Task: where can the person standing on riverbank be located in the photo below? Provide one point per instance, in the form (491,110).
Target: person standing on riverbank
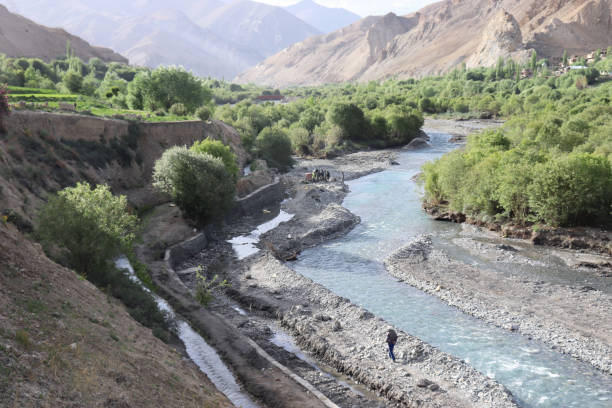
(391,340)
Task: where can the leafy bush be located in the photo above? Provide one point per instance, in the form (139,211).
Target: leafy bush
(203,113)
(197,182)
(571,190)
(178,109)
(217,149)
(300,140)
(273,145)
(92,225)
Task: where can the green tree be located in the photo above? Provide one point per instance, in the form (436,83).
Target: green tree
(198,183)
(217,149)
(350,118)
(300,140)
(92,225)
(533,61)
(573,189)
(273,145)
(170,85)
(73,81)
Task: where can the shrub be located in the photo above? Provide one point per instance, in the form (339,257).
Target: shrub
(204,287)
(217,149)
(92,225)
(203,113)
(349,117)
(178,109)
(572,189)
(300,140)
(273,145)
(197,182)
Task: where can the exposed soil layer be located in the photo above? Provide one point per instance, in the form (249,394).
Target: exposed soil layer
(574,319)
(64,343)
(581,238)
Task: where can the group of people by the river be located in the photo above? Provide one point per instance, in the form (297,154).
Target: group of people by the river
(320,175)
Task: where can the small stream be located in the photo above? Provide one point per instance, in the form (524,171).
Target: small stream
(389,204)
(203,355)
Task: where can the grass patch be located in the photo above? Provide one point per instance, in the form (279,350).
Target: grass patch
(34,306)
(23,339)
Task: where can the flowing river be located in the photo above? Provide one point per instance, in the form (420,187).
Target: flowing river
(389,204)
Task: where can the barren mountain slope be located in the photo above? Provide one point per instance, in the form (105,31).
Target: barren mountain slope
(20,37)
(64,343)
(324,19)
(439,38)
(266,29)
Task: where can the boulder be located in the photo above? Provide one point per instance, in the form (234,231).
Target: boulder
(417,143)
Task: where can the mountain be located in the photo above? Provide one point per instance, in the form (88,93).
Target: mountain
(263,28)
(324,19)
(169,37)
(439,38)
(20,37)
(210,37)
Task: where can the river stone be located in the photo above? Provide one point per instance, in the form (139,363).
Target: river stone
(417,143)
(424,383)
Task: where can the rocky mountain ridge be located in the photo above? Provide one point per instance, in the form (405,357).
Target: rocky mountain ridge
(439,38)
(20,37)
(209,37)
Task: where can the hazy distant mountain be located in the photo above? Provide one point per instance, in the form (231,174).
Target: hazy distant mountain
(264,28)
(325,19)
(441,37)
(210,37)
(20,37)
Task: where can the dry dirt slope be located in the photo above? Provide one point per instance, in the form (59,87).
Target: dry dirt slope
(63,343)
(20,37)
(439,38)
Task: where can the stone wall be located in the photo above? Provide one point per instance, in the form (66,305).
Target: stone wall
(264,197)
(98,150)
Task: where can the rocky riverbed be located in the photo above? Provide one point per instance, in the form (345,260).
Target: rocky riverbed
(574,319)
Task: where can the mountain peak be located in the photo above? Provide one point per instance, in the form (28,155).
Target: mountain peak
(440,37)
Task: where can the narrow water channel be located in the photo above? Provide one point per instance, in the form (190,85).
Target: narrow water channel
(389,204)
(203,355)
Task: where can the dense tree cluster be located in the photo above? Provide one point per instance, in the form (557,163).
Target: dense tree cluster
(550,163)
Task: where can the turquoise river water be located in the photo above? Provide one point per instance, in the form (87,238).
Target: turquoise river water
(389,204)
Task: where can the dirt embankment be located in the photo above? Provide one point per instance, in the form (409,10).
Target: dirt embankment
(64,343)
(44,152)
(581,238)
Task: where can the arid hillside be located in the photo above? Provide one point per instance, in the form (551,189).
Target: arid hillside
(439,38)
(64,343)
(20,37)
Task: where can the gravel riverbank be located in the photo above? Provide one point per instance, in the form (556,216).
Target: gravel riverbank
(572,319)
